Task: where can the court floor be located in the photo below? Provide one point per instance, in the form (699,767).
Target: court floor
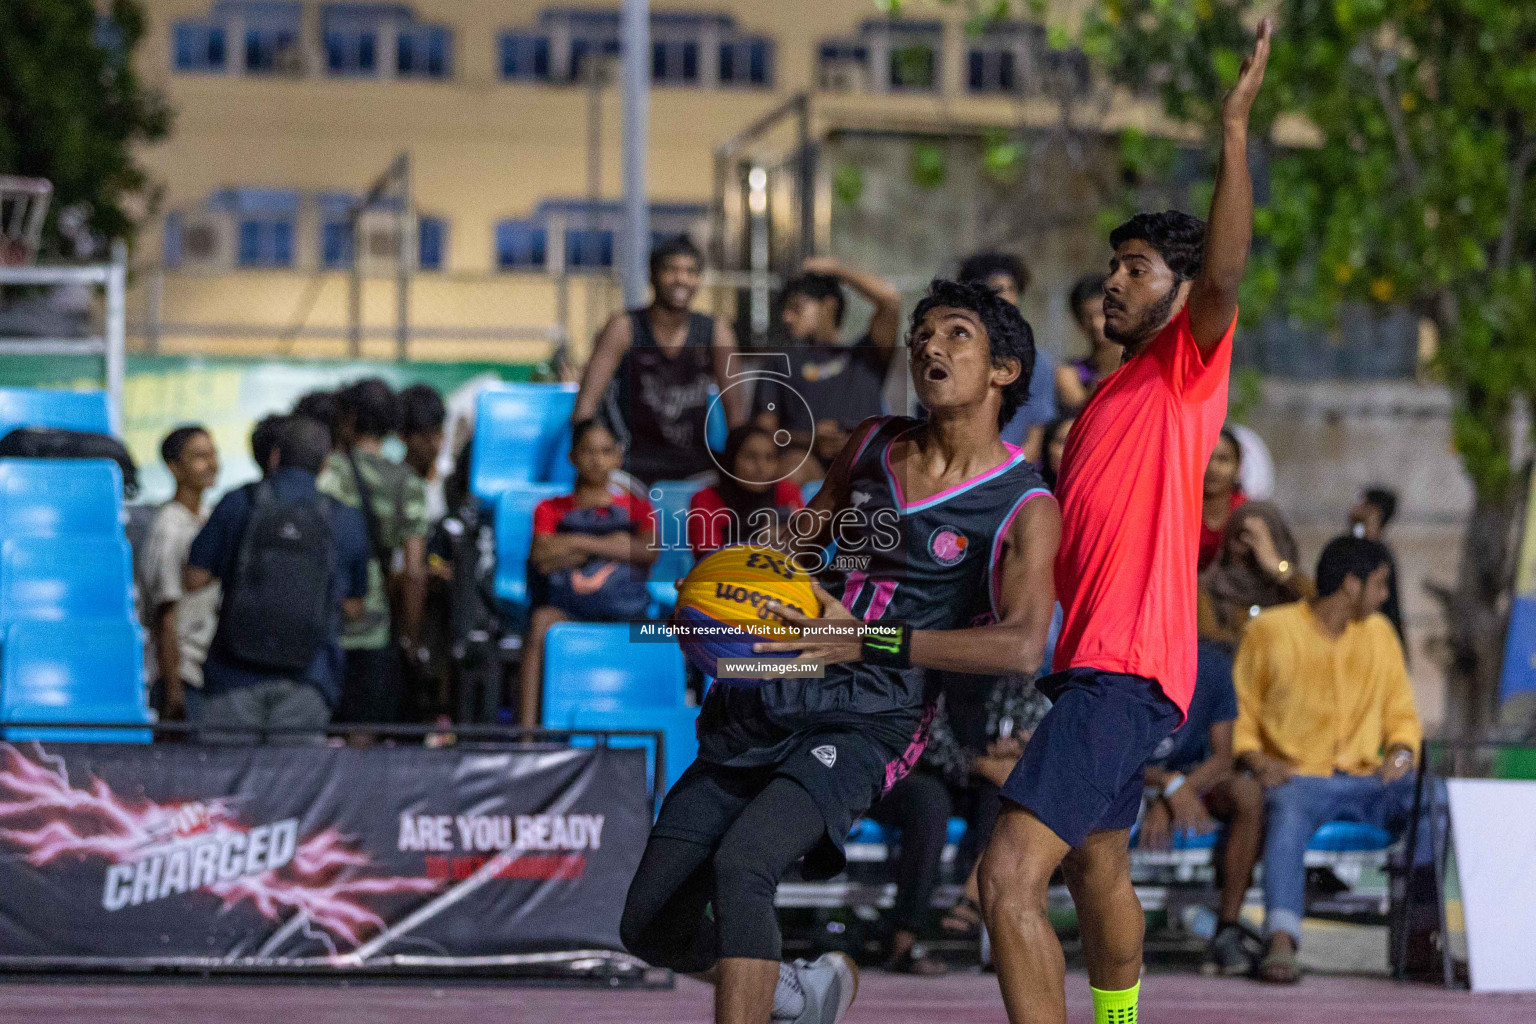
(963,998)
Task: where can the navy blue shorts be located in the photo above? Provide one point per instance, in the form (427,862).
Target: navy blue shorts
(1082,769)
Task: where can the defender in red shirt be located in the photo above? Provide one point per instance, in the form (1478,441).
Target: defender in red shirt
(1131,497)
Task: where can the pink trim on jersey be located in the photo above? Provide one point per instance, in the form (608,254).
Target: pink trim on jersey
(864,445)
(884,591)
(897,770)
(948,492)
(993,578)
(852,587)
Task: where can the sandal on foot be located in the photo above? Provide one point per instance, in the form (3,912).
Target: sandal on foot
(963,919)
(917,961)
(1280,966)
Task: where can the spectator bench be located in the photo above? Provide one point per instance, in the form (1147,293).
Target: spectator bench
(1164,879)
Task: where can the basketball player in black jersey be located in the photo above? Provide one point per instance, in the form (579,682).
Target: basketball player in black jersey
(948,538)
(652,369)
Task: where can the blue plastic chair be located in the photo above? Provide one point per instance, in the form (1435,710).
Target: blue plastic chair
(46,407)
(716,428)
(868,831)
(595,666)
(83,670)
(670,499)
(561,470)
(54,497)
(60,578)
(517,428)
(1333,837)
(596,677)
(1350,837)
(677,726)
(514,537)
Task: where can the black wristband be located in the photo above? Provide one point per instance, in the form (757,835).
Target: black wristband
(887,644)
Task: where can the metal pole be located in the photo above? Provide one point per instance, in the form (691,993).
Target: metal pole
(758,255)
(807,181)
(635,46)
(116,333)
(156,296)
(596,67)
(404,259)
(355,290)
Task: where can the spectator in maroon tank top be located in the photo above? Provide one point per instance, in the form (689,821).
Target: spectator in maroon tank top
(748,502)
(652,371)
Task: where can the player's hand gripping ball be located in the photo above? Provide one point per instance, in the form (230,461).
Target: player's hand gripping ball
(726,597)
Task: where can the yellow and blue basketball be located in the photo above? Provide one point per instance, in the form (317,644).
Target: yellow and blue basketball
(728,592)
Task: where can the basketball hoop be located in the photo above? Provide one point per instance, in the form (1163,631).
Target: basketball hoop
(23,206)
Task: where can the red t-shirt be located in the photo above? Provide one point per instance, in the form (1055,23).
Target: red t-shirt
(1131,493)
(548,513)
(709,532)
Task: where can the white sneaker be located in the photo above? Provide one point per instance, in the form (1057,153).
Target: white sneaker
(830,983)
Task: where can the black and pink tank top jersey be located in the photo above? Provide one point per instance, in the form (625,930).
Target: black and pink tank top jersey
(930,563)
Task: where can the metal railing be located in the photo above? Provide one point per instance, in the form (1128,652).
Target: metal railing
(111,345)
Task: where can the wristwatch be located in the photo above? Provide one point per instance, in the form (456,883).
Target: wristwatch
(1401,757)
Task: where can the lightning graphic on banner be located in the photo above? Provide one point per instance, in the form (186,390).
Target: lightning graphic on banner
(154,851)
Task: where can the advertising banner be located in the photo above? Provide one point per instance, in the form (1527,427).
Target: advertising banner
(1493,822)
(259,855)
(228,396)
(1519,676)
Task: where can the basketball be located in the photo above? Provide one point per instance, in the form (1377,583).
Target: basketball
(729,591)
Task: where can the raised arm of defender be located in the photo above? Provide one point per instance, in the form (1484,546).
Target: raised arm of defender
(1229,230)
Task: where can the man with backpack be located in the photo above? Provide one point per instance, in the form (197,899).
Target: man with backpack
(293,562)
(383,647)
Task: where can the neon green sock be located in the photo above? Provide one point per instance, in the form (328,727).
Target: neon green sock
(1115,1007)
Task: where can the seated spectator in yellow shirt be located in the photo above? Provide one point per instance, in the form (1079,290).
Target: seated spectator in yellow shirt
(1326,722)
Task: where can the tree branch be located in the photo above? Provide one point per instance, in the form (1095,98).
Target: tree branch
(1395,120)
(1519,167)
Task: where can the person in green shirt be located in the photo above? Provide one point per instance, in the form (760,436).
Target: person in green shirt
(388,635)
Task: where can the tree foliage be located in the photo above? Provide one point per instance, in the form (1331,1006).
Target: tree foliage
(71,107)
(1419,191)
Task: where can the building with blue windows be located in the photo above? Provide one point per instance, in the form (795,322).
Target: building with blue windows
(289,110)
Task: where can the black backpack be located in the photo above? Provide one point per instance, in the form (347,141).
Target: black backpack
(277,609)
(54,443)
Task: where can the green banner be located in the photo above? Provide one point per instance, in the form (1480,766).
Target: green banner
(228,396)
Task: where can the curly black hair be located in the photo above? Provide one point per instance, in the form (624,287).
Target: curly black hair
(681,245)
(264,439)
(371,405)
(1348,556)
(176,441)
(984,264)
(1178,238)
(318,405)
(421,409)
(1084,290)
(1008,333)
(817,287)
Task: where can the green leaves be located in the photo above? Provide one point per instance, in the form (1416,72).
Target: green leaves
(1002,158)
(1422,106)
(848,184)
(930,166)
(71,109)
